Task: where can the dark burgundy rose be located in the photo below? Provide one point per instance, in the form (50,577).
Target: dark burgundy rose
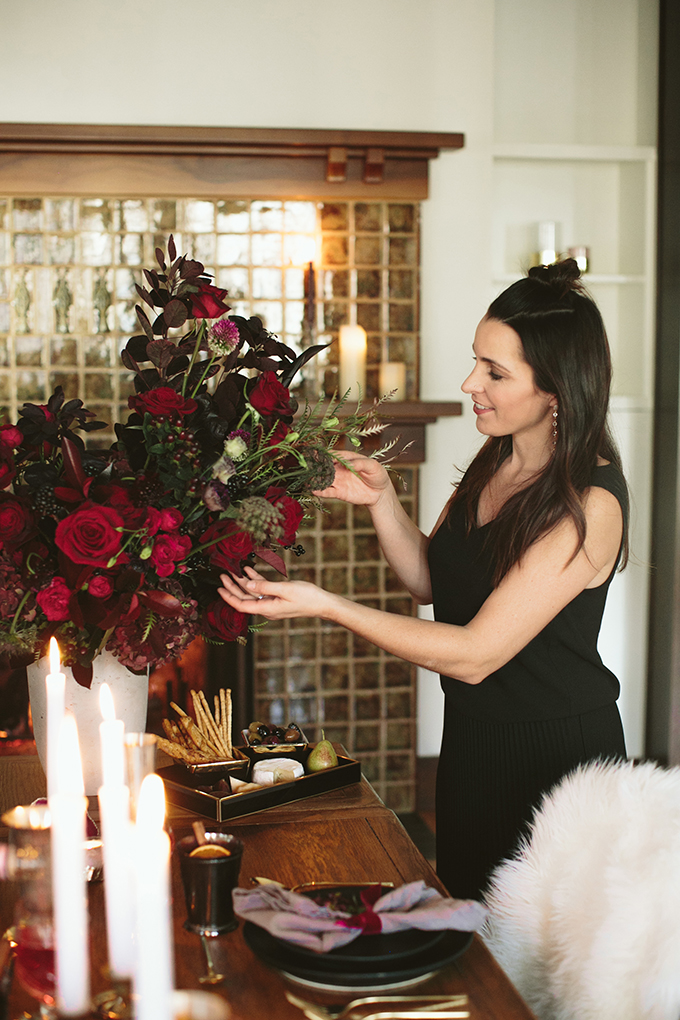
(54,600)
(291,510)
(209,302)
(16,521)
(269,397)
(233,546)
(167,550)
(224,622)
(100,586)
(91,535)
(162,401)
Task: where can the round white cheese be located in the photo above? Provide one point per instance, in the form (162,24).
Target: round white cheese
(276,770)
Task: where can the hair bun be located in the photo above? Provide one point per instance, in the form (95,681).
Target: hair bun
(564,275)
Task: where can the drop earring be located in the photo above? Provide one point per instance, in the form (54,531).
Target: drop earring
(554,427)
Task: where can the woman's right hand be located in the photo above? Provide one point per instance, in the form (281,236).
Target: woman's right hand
(363,485)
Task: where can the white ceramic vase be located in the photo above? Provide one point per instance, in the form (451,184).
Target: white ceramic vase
(130,697)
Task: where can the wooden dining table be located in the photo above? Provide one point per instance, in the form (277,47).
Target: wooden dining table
(342,836)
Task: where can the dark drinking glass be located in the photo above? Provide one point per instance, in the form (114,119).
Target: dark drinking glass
(210,872)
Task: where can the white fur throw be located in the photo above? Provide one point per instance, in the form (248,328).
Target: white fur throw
(586,919)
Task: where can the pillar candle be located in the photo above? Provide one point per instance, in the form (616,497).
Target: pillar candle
(114,808)
(153,977)
(68,807)
(55,686)
(352,361)
(393,377)
(111,735)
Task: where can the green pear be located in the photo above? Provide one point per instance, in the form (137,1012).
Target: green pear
(322,757)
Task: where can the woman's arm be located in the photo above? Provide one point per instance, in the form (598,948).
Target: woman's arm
(528,597)
(403,544)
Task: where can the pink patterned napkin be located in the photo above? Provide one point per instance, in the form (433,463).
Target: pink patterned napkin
(296,918)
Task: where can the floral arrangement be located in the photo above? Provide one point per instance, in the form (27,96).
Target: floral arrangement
(122,549)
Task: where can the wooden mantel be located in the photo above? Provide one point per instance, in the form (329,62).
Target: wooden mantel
(407,420)
(230,161)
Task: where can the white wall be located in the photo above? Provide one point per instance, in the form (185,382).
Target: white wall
(367,64)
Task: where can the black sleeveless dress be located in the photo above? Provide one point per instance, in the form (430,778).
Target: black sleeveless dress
(507,740)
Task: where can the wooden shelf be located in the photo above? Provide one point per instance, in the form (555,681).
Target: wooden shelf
(208,161)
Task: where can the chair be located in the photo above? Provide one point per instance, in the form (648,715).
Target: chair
(586,918)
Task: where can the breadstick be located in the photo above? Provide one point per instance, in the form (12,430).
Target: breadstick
(216,713)
(194,757)
(229,723)
(206,724)
(216,735)
(180,711)
(223,716)
(196,737)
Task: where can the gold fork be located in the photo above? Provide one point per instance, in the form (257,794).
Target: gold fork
(317,1012)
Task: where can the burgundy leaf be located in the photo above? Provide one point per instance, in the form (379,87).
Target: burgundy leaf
(161,602)
(151,278)
(175,314)
(191,269)
(73,466)
(82,674)
(136,347)
(161,353)
(144,295)
(160,257)
(273,559)
(172,250)
(144,321)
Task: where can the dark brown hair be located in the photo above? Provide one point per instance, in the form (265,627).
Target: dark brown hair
(565,343)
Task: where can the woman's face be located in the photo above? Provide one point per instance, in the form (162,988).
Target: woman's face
(505,397)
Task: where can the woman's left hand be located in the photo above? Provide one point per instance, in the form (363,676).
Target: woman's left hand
(275,600)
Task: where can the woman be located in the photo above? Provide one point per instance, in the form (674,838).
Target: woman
(518,568)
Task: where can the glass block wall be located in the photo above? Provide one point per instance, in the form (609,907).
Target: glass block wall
(68,266)
(322,677)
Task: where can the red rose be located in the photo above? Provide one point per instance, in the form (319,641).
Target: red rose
(209,302)
(100,587)
(10,437)
(170,519)
(224,622)
(167,549)
(279,433)
(233,546)
(54,600)
(269,397)
(16,522)
(162,401)
(92,535)
(291,510)
(152,520)
(7,474)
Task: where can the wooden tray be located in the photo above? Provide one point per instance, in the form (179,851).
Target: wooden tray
(182,787)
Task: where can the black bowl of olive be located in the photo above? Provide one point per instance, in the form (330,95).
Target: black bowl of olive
(271,736)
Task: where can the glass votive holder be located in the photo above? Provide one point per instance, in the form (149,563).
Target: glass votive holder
(140,761)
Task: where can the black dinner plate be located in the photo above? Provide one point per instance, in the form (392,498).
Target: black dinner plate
(335,969)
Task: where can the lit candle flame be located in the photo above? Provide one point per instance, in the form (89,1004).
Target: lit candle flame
(106,705)
(55,660)
(151,803)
